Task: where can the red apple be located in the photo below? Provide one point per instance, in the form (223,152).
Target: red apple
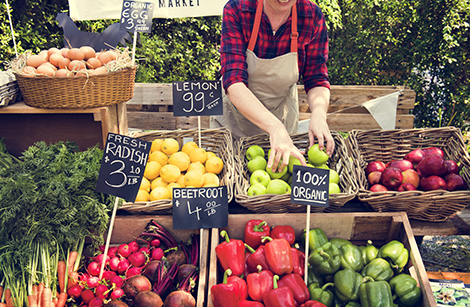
(406,187)
(455,182)
(403,165)
(411,176)
(374,166)
(432,165)
(378,188)
(388,163)
(432,183)
(451,167)
(374,177)
(391,178)
(415,156)
(433,150)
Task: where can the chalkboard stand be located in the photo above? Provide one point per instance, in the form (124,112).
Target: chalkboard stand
(108,237)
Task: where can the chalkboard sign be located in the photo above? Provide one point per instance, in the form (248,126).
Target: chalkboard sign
(136,16)
(200,98)
(310,186)
(122,166)
(195,208)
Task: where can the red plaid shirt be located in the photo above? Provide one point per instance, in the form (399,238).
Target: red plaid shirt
(237,24)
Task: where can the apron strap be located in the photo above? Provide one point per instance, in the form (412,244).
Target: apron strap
(255,31)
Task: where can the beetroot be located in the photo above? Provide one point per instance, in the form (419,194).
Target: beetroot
(176,255)
(135,285)
(180,298)
(148,299)
(184,270)
(150,270)
(116,303)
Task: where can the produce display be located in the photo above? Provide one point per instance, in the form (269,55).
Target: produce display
(170,166)
(264,180)
(424,169)
(341,273)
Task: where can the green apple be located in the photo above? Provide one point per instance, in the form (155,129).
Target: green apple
(293,161)
(334,188)
(256,189)
(257,162)
(277,174)
(278,186)
(334,176)
(254,151)
(286,176)
(323,166)
(317,156)
(260,176)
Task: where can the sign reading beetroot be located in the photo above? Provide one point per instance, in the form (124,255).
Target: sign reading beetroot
(197,98)
(310,186)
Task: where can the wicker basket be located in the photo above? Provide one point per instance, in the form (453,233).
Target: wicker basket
(219,141)
(270,203)
(386,145)
(77,92)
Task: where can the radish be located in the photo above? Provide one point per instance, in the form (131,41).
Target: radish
(112,251)
(108,274)
(137,258)
(93,268)
(100,257)
(87,295)
(133,246)
(114,263)
(124,264)
(96,302)
(145,250)
(157,253)
(93,282)
(124,250)
(101,291)
(132,271)
(75,291)
(117,280)
(155,242)
(117,293)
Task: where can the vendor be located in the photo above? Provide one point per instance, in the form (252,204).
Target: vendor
(265,46)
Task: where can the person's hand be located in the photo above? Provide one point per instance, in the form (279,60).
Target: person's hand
(318,129)
(282,147)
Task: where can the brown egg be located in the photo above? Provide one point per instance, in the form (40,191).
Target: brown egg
(76,65)
(88,51)
(49,64)
(104,58)
(64,62)
(76,54)
(93,63)
(29,71)
(112,54)
(35,60)
(81,73)
(44,54)
(65,52)
(100,71)
(51,51)
(62,73)
(45,70)
(55,59)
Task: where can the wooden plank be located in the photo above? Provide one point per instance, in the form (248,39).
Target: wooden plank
(152,93)
(164,121)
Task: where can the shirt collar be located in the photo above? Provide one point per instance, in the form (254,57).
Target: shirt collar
(250,6)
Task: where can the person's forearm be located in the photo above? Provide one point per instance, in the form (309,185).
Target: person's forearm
(247,104)
(318,100)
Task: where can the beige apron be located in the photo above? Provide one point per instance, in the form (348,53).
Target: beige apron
(272,81)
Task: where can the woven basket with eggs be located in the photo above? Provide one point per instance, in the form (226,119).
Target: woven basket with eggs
(70,78)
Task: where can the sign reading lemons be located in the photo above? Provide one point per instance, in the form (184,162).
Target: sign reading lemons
(310,186)
(123,166)
(197,98)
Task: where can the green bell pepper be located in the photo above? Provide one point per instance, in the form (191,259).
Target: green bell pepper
(406,289)
(395,253)
(339,242)
(325,259)
(316,238)
(369,252)
(352,304)
(375,293)
(313,277)
(347,282)
(323,294)
(351,257)
(378,269)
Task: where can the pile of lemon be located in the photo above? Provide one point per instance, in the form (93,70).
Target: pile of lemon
(169,167)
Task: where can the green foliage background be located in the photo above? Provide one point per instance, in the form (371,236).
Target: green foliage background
(418,43)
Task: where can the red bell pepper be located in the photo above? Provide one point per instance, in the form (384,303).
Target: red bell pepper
(279,255)
(231,254)
(259,283)
(298,258)
(311,303)
(256,257)
(283,231)
(246,303)
(296,283)
(242,287)
(254,230)
(224,294)
(279,296)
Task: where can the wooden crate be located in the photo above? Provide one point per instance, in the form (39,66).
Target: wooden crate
(22,125)
(152,108)
(356,227)
(127,228)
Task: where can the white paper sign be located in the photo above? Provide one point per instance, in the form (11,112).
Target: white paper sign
(384,110)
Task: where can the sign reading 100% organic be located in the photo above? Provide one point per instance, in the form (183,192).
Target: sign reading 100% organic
(310,186)
(197,98)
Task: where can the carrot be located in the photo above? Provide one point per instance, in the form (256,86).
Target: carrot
(32,300)
(73,255)
(61,274)
(3,305)
(39,293)
(62,299)
(73,278)
(8,300)
(1,292)
(47,297)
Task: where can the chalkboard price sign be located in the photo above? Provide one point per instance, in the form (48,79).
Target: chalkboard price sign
(195,208)
(310,186)
(136,16)
(122,166)
(200,98)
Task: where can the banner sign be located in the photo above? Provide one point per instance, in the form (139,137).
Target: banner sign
(122,166)
(111,9)
(197,98)
(136,16)
(310,186)
(195,208)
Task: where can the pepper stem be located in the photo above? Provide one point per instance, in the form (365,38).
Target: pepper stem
(266,238)
(275,279)
(227,273)
(249,248)
(259,227)
(224,234)
(259,267)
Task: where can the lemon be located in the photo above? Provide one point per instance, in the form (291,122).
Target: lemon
(180,181)
(170,173)
(214,165)
(170,146)
(180,159)
(158,182)
(142,196)
(145,185)
(196,166)
(188,147)
(160,193)
(159,156)
(194,179)
(156,145)
(152,170)
(210,154)
(171,186)
(198,155)
(211,180)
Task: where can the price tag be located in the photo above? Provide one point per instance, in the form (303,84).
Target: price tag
(310,186)
(197,98)
(195,208)
(136,16)
(122,166)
